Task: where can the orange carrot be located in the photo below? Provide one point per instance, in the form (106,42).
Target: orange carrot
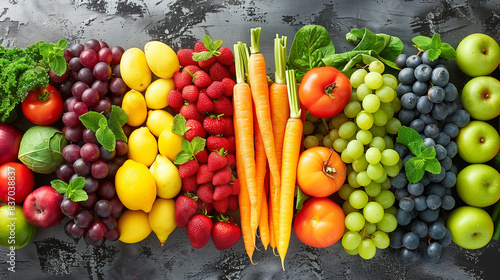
(244,206)
(291,151)
(260,172)
(264,221)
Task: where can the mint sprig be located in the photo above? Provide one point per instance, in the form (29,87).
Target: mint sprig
(435,46)
(74,190)
(213,49)
(425,157)
(53,56)
(107,131)
(179,125)
(190,149)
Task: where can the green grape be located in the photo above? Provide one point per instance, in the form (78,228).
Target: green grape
(373,80)
(311,141)
(345,191)
(334,134)
(386,184)
(393,125)
(352,109)
(388,223)
(328,142)
(367,248)
(375,171)
(380,117)
(340,144)
(351,240)
(385,198)
(371,103)
(389,157)
(345,156)
(355,149)
(308,127)
(363,179)
(352,252)
(322,129)
(339,119)
(373,155)
(400,163)
(389,144)
(392,170)
(380,239)
(382,178)
(373,189)
(354,97)
(358,77)
(376,66)
(385,93)
(319,136)
(351,179)
(363,91)
(369,228)
(347,208)
(347,130)
(364,136)
(354,221)
(373,212)
(388,109)
(360,164)
(391,210)
(377,131)
(390,81)
(310,117)
(358,199)
(378,142)
(396,104)
(364,120)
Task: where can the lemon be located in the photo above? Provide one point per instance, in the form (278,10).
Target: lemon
(169,144)
(158,120)
(162,218)
(142,146)
(133,226)
(161,59)
(157,93)
(134,69)
(135,186)
(166,174)
(134,105)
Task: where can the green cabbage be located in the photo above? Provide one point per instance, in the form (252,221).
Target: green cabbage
(41,149)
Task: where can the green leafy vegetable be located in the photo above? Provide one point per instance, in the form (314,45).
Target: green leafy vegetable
(435,46)
(189,149)
(425,157)
(301,198)
(107,131)
(213,49)
(179,125)
(74,190)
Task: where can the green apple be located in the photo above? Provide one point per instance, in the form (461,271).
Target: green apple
(477,55)
(470,227)
(15,231)
(479,185)
(481,98)
(478,142)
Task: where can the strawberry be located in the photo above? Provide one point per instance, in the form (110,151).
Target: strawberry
(228,85)
(202,156)
(221,192)
(214,125)
(188,168)
(185,57)
(182,79)
(204,103)
(218,72)
(196,129)
(189,111)
(223,106)
(220,205)
(176,110)
(231,160)
(190,93)
(215,89)
(205,192)
(232,69)
(200,47)
(226,56)
(217,160)
(175,99)
(228,126)
(201,79)
(189,184)
(206,63)
(204,175)
(222,176)
(198,229)
(225,233)
(204,207)
(215,143)
(185,208)
(231,148)
(191,69)
(232,203)
(235,187)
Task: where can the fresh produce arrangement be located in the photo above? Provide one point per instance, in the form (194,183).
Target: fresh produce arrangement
(373,148)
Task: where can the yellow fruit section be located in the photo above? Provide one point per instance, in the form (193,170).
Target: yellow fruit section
(135,106)
(169,144)
(134,69)
(162,218)
(157,93)
(133,226)
(142,146)
(135,186)
(166,174)
(161,59)
(158,120)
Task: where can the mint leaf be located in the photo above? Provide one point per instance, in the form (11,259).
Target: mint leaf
(91,120)
(413,172)
(207,41)
(74,190)
(59,185)
(182,157)
(428,153)
(202,56)
(179,125)
(79,195)
(411,139)
(78,182)
(117,130)
(447,51)
(433,54)
(436,41)
(190,149)
(433,166)
(58,65)
(62,44)
(103,123)
(118,114)
(198,144)
(422,42)
(106,138)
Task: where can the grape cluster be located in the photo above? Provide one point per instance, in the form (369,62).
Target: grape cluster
(430,105)
(366,145)
(92,82)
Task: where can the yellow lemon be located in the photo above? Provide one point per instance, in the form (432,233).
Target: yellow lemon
(158,120)
(142,146)
(133,226)
(161,59)
(162,218)
(135,186)
(169,144)
(166,174)
(157,93)
(134,69)
(135,106)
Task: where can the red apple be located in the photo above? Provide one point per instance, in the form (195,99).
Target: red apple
(42,207)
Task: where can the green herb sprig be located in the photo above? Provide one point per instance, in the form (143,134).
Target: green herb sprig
(190,149)
(107,131)
(213,49)
(74,190)
(435,46)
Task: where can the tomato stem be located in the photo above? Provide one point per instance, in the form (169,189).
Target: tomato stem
(329,88)
(43,97)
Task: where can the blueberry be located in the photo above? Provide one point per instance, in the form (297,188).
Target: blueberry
(425,59)
(450,179)
(446,163)
(452,149)
(405,116)
(423,72)
(451,92)
(429,142)
(440,76)
(443,138)
(420,88)
(406,76)
(437,178)
(424,105)
(461,118)
(431,130)
(409,100)
(452,107)
(399,181)
(436,94)
(420,203)
(427,119)
(402,89)
(441,152)
(401,61)
(416,189)
(401,149)
(413,61)
(439,111)
(418,125)
(451,129)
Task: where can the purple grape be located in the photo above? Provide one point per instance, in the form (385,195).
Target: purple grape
(102,87)
(106,190)
(88,58)
(69,103)
(65,88)
(78,88)
(69,207)
(90,202)
(90,97)
(73,75)
(103,106)
(117,100)
(113,168)
(103,44)
(91,184)
(117,52)
(80,108)
(99,169)
(116,71)
(81,167)
(96,231)
(85,75)
(73,134)
(76,231)
(102,71)
(89,136)
(58,79)
(65,171)
(70,119)
(84,218)
(103,208)
(90,152)
(112,235)
(127,129)
(67,55)
(105,55)
(121,148)
(76,49)
(92,44)
(107,155)
(67,230)
(117,86)
(116,205)
(75,64)
(109,222)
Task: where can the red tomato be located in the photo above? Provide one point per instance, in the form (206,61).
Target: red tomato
(320,222)
(16,182)
(324,91)
(43,106)
(320,172)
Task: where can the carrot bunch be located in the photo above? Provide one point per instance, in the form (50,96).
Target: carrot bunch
(268,132)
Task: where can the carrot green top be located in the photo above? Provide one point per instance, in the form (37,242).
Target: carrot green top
(293,95)
(255,40)
(280,59)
